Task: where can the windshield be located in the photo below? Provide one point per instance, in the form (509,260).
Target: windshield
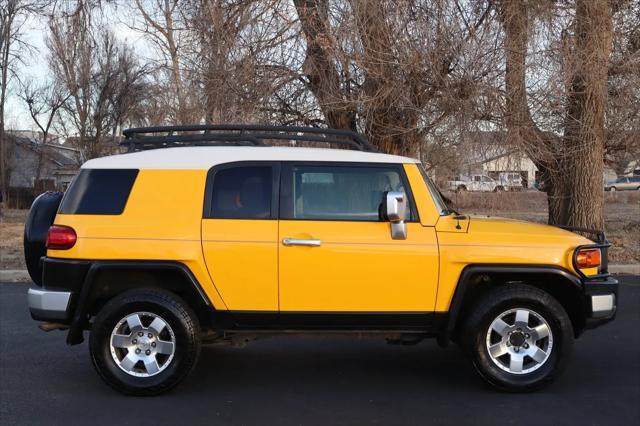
(443,210)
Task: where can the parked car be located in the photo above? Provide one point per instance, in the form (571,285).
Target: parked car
(478,183)
(511,181)
(624,184)
(155,252)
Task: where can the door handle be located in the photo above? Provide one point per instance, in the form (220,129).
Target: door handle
(300,242)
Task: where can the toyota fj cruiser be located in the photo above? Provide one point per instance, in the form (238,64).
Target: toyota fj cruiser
(224,233)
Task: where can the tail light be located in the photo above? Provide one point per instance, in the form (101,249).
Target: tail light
(588,258)
(61,237)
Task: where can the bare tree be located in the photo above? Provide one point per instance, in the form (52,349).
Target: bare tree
(71,49)
(43,103)
(322,65)
(162,24)
(418,77)
(623,110)
(571,165)
(584,135)
(102,77)
(13,49)
(398,70)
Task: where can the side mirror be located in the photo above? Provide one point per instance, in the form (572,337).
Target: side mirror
(395,209)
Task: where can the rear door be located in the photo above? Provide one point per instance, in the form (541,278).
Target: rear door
(240,234)
(344,259)
(476,183)
(627,184)
(488,184)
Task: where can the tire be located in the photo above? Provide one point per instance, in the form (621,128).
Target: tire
(461,188)
(613,189)
(168,364)
(40,218)
(499,189)
(543,311)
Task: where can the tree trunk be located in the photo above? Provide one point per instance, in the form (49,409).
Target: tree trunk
(390,125)
(571,167)
(544,149)
(584,131)
(319,65)
(4,75)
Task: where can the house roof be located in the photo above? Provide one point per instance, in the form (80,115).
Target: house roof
(61,156)
(487,146)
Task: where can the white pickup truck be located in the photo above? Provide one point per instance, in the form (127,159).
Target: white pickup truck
(479,183)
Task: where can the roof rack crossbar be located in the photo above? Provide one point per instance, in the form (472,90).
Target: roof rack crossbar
(143,138)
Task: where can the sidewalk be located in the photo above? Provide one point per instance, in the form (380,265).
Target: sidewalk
(21,275)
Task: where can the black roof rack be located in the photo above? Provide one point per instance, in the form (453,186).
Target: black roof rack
(144,138)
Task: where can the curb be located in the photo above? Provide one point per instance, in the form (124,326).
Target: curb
(21,275)
(625,269)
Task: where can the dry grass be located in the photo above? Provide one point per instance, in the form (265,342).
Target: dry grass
(622,216)
(11,229)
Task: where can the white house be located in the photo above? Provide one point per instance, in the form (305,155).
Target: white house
(512,162)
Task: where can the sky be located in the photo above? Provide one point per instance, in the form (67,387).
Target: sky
(36,67)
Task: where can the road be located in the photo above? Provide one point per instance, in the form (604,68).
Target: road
(318,381)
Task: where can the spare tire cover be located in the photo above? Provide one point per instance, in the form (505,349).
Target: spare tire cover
(40,218)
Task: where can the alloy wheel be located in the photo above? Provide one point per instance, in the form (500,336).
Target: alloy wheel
(519,341)
(142,344)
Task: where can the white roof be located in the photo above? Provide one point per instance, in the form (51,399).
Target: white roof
(205,157)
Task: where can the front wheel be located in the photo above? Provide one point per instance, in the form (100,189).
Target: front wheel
(519,338)
(144,342)
(613,189)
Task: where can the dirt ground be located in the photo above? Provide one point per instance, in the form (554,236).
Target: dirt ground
(622,217)
(11,229)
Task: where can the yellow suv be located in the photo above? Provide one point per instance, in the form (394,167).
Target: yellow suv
(219,234)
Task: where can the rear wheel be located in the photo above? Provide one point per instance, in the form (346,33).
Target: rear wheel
(613,189)
(144,342)
(519,338)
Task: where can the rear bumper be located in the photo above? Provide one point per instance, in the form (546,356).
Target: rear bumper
(62,280)
(49,305)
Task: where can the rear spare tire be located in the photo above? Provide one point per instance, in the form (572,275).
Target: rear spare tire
(40,218)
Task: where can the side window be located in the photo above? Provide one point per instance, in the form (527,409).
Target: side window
(341,193)
(486,179)
(242,192)
(476,178)
(99,192)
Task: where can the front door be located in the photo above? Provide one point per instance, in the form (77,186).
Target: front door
(336,254)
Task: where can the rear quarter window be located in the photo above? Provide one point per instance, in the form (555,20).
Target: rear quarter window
(99,191)
(242,192)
